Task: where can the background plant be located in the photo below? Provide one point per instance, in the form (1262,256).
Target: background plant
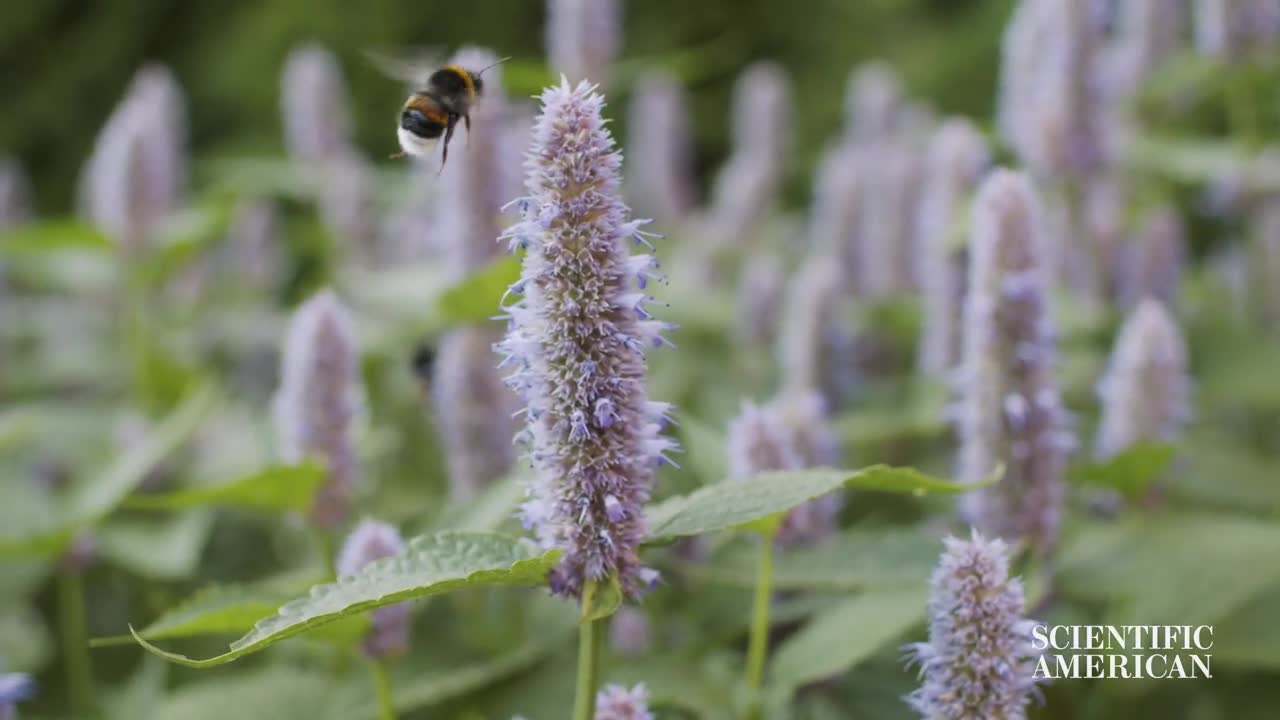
(809,244)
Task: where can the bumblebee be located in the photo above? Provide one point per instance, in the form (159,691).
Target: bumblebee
(433,112)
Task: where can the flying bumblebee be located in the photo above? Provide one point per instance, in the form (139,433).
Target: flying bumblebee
(448,96)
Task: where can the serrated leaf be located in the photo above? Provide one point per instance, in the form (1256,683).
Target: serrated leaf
(734,504)
(227,609)
(856,560)
(157,548)
(477,297)
(1129,472)
(840,637)
(282,487)
(21,534)
(432,565)
(212,611)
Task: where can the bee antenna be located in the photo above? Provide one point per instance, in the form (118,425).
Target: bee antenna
(494,64)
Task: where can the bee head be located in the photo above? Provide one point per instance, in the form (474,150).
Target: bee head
(450,81)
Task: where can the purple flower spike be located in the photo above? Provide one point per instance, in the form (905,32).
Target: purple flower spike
(318,398)
(1010,413)
(615,702)
(1050,103)
(1146,389)
(1236,29)
(789,433)
(368,542)
(979,661)
(957,160)
(583,37)
(576,349)
(660,174)
(137,173)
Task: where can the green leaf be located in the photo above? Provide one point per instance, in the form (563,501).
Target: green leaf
(600,600)
(839,638)
(1225,471)
(1129,472)
(21,534)
(16,429)
(856,560)
(41,237)
(1171,569)
(158,548)
(551,626)
(277,692)
(137,697)
(735,504)
(676,681)
(282,487)
(432,565)
(231,609)
(1250,638)
(212,611)
(1191,160)
(261,177)
(478,297)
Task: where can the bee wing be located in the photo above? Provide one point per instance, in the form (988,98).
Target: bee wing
(411,66)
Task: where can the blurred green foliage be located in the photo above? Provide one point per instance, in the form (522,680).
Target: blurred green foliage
(67,62)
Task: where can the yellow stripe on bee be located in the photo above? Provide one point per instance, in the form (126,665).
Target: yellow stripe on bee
(428,108)
(466,78)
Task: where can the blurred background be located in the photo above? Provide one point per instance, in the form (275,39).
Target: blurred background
(68,63)
(204,243)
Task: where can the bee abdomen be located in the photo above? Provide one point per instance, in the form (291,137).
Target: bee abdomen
(427,124)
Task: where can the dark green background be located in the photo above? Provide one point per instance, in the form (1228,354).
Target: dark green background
(66,62)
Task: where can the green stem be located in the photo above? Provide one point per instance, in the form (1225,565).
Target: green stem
(590,633)
(382,687)
(758,643)
(75,642)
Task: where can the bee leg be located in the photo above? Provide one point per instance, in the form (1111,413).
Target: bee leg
(466,119)
(448,135)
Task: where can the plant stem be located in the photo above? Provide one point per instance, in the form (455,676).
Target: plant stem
(75,642)
(590,633)
(382,686)
(758,643)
